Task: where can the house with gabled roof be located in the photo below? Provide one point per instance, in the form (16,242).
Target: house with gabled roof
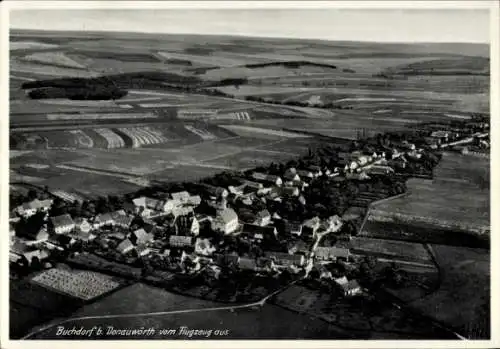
(102,220)
(30,208)
(180,241)
(258,232)
(315,170)
(214,192)
(203,247)
(267,178)
(331,253)
(125,246)
(140,236)
(61,224)
(245,263)
(124,221)
(290,176)
(148,207)
(349,288)
(194,200)
(226,221)
(263,218)
(181,197)
(285,260)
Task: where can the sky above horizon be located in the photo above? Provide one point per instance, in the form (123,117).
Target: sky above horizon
(382,25)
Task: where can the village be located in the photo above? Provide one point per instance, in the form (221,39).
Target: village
(246,234)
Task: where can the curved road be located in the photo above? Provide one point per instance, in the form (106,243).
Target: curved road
(159,313)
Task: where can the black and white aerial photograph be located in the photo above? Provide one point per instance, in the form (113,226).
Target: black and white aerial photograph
(248,173)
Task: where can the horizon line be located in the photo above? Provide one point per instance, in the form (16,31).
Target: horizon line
(250,36)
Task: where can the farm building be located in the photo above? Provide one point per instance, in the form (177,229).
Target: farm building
(350,288)
(379,170)
(226,221)
(331,253)
(203,247)
(28,209)
(251,186)
(263,218)
(267,179)
(315,170)
(245,263)
(237,190)
(180,241)
(140,236)
(181,197)
(148,207)
(180,211)
(290,176)
(214,192)
(125,246)
(281,259)
(194,200)
(124,221)
(258,232)
(62,224)
(103,219)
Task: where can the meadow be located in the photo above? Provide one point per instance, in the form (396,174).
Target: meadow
(463,298)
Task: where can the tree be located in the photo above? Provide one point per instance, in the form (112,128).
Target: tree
(32,195)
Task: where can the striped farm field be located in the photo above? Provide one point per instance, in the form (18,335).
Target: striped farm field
(237,115)
(114,140)
(53,58)
(143,136)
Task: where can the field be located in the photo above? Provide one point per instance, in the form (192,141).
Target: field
(397,250)
(463,298)
(31,304)
(359,317)
(84,285)
(456,200)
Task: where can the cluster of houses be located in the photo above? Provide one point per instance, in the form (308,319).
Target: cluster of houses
(170,226)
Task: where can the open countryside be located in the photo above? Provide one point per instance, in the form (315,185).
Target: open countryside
(251,188)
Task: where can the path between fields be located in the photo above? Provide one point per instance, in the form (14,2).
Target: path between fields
(159,313)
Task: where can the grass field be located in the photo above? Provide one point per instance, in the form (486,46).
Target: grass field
(463,298)
(457,199)
(391,249)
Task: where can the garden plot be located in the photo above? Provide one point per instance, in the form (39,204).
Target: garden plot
(80,284)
